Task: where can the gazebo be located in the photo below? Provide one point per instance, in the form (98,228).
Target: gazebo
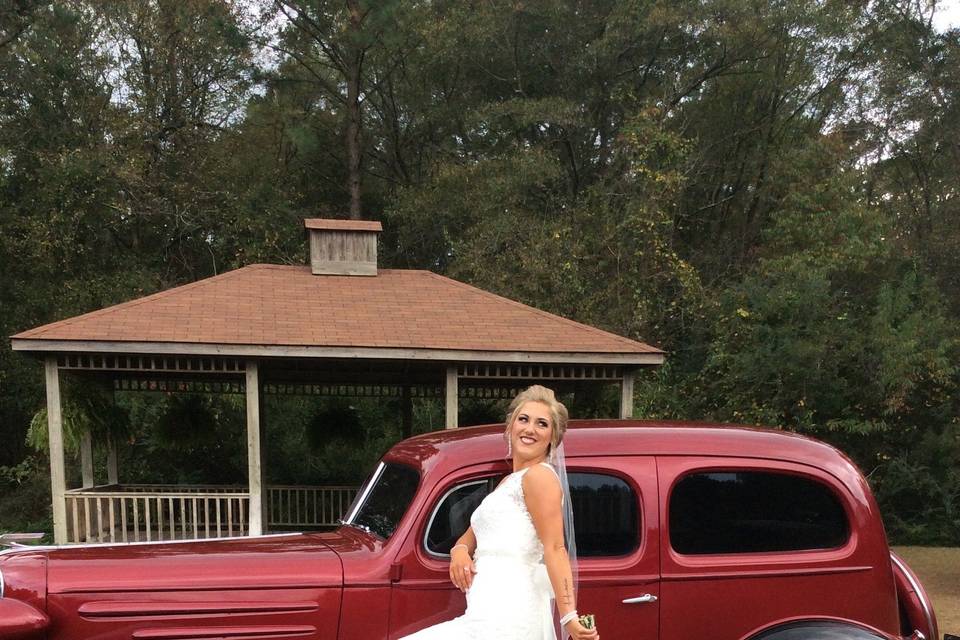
(341,326)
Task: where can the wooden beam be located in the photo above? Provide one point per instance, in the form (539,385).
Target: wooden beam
(58,483)
(254,477)
(654,357)
(453,398)
(626,395)
(86,458)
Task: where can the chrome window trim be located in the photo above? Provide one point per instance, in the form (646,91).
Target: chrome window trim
(920,592)
(2,585)
(366,493)
(433,515)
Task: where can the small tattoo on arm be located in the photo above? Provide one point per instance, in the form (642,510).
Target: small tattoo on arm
(567,597)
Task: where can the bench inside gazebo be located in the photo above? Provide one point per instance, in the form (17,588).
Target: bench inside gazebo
(338,327)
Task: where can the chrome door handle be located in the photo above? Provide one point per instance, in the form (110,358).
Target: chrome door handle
(647,597)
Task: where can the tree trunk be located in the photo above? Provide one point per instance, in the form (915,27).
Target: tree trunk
(354,63)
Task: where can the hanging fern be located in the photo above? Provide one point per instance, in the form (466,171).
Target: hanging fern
(86,406)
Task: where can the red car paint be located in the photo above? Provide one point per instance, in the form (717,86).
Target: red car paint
(354,585)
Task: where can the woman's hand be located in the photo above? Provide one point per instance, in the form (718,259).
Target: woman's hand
(579,632)
(461,568)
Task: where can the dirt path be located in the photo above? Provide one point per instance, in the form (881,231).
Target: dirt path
(939,570)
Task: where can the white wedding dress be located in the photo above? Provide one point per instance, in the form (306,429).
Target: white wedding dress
(511,596)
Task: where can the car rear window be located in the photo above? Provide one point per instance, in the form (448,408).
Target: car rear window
(605,512)
(754,511)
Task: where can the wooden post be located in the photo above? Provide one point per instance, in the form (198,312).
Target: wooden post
(265,490)
(86,458)
(452,398)
(626,395)
(58,483)
(406,413)
(113,476)
(254,478)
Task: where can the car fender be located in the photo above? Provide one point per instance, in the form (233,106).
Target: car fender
(913,599)
(818,629)
(20,621)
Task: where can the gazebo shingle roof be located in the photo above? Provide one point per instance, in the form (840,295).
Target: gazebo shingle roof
(277,305)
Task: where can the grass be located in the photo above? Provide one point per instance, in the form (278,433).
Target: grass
(939,570)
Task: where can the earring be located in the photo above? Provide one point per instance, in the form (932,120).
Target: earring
(508,447)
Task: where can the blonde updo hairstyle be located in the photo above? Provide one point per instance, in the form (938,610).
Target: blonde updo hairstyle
(558,412)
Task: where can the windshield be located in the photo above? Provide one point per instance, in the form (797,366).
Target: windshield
(384,499)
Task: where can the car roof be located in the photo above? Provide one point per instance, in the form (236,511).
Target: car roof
(456,448)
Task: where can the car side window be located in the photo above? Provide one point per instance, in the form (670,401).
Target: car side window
(606,515)
(451,517)
(754,511)
(605,512)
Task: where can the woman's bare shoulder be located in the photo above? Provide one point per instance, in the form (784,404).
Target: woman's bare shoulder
(541,480)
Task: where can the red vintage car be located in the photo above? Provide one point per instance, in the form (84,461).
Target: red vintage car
(685,532)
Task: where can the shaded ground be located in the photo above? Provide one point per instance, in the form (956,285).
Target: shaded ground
(939,570)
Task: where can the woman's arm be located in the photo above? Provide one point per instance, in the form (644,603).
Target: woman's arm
(543,496)
(461,560)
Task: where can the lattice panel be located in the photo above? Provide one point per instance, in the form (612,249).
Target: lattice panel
(538,372)
(159,364)
(352,390)
(490,393)
(179,386)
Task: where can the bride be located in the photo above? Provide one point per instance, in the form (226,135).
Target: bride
(513,558)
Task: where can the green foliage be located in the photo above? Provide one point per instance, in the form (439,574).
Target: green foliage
(833,330)
(765,190)
(25,492)
(184,438)
(919,490)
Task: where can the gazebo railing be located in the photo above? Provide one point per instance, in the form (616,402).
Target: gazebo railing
(148,513)
(295,506)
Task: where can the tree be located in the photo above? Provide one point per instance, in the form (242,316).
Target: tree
(181,75)
(331,42)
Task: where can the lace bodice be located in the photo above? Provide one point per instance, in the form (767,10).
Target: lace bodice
(503,525)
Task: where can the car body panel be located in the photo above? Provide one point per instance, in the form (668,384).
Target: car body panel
(277,586)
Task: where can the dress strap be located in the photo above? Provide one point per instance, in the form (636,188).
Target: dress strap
(550,466)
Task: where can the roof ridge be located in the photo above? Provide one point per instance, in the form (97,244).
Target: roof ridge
(544,313)
(37,331)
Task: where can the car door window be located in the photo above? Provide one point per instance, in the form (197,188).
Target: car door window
(605,512)
(451,517)
(754,511)
(606,515)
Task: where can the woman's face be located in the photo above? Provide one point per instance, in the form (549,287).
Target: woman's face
(531,431)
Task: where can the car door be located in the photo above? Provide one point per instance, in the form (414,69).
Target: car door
(616,517)
(422,593)
(748,543)
(615,511)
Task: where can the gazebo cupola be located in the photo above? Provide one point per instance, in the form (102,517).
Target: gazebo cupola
(343,247)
